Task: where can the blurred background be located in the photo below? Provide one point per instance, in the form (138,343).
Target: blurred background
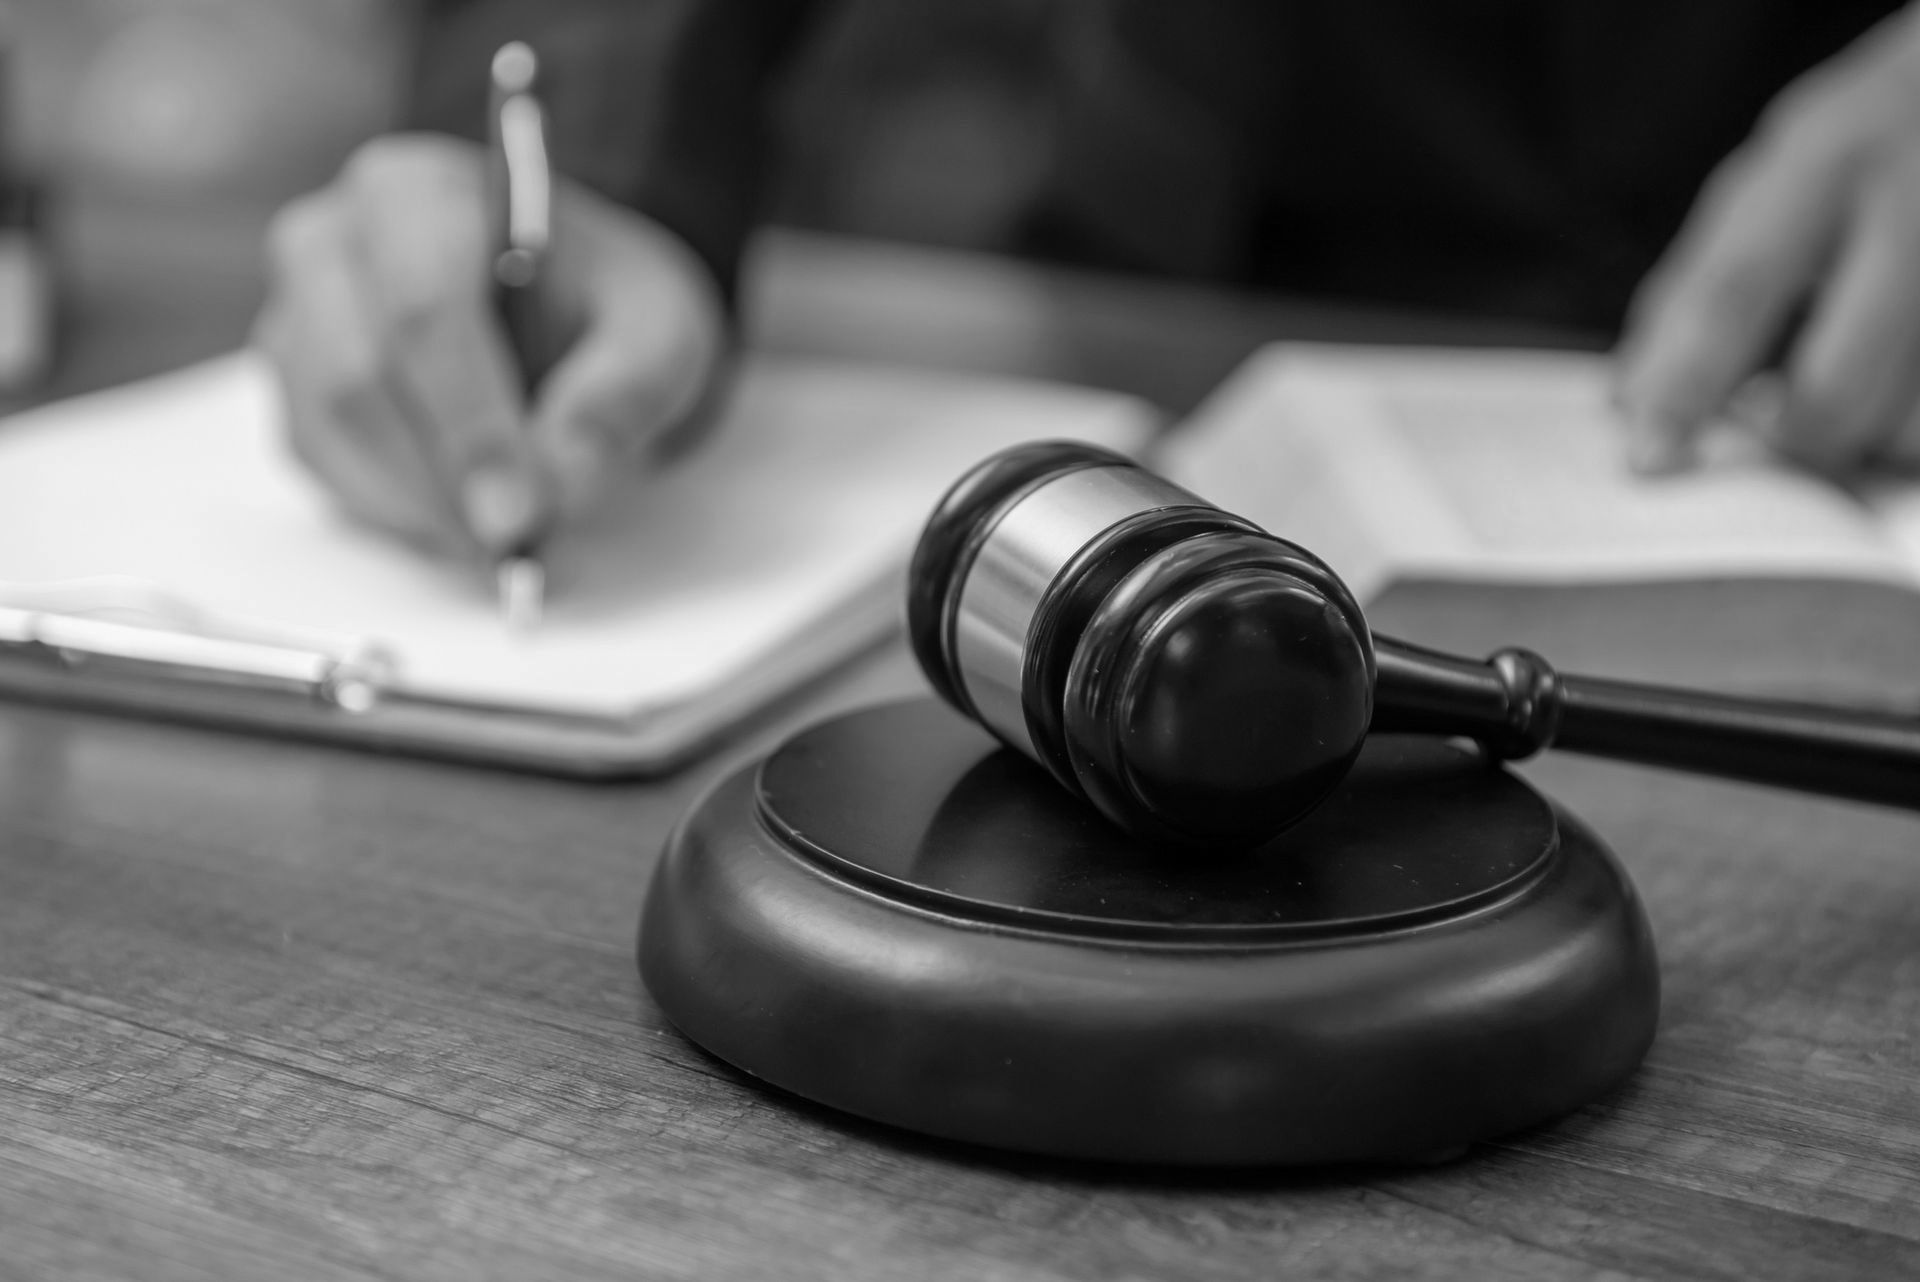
(163,133)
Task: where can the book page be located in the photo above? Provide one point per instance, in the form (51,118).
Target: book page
(1504,466)
(785,529)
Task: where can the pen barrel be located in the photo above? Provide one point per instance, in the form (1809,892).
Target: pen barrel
(1515,704)
(520,205)
(518,309)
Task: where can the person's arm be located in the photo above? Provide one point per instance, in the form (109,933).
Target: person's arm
(402,394)
(1816,219)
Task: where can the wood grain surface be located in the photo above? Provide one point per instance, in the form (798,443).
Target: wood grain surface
(274,1010)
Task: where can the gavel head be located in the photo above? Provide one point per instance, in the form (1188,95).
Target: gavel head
(1200,681)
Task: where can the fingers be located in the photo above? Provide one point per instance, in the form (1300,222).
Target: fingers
(403,393)
(418,218)
(342,419)
(1822,207)
(649,341)
(1854,374)
(1705,321)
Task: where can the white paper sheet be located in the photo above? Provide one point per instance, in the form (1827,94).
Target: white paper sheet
(797,509)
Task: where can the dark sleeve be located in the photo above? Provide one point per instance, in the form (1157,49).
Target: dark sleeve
(658,104)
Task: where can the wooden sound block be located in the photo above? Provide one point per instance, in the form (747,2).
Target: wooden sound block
(894,916)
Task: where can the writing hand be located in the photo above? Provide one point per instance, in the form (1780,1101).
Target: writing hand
(403,396)
(1821,210)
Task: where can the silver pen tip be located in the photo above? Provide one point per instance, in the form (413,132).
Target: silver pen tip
(522,583)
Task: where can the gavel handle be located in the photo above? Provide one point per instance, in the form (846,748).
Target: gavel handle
(1515,704)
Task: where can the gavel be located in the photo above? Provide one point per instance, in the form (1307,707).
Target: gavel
(1205,684)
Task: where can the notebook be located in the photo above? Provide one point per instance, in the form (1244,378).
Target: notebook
(161,551)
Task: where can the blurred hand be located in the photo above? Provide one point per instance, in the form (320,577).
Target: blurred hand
(1821,210)
(402,393)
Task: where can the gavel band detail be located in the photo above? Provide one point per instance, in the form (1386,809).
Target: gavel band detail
(1005,583)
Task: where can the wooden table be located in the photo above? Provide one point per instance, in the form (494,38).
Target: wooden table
(272,1010)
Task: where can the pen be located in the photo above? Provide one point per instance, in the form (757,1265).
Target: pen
(521,190)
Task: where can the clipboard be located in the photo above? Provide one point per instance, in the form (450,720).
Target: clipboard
(161,555)
(351,697)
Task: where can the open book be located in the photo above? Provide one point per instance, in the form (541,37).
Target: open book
(160,550)
(1498,477)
